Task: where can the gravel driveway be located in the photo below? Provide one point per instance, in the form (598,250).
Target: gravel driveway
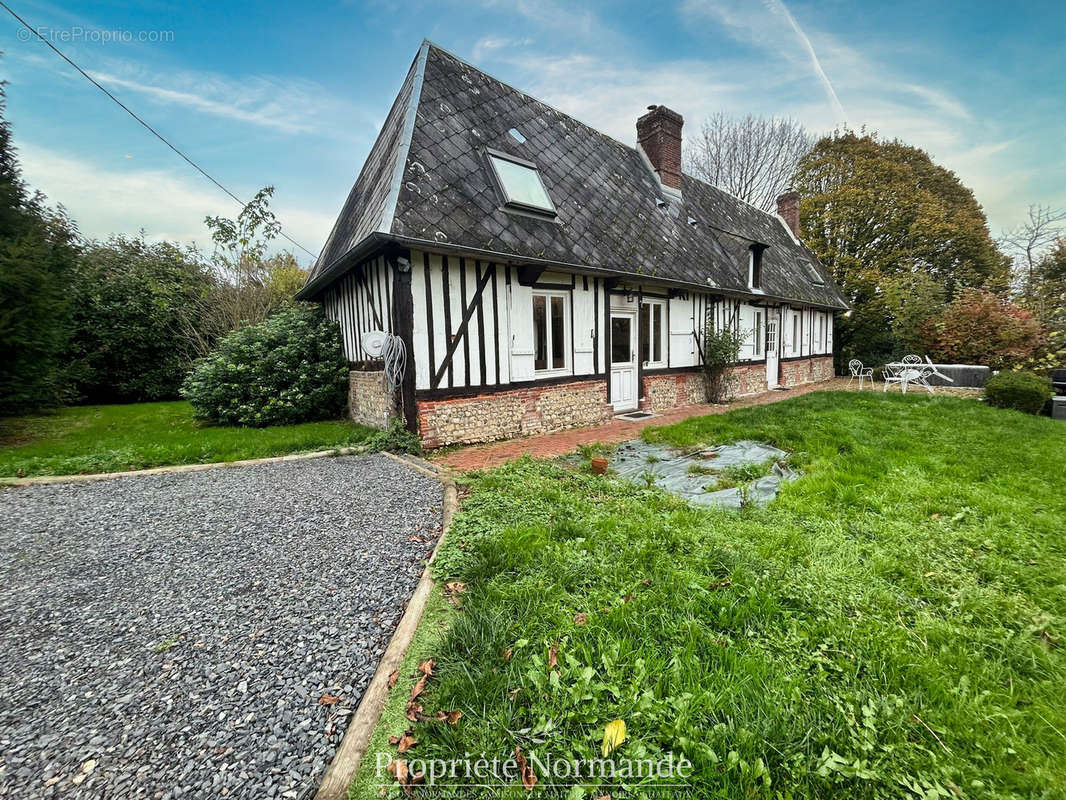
(183,635)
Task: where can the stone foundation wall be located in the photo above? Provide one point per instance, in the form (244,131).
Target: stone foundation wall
(806,370)
(670,391)
(512,412)
(368,398)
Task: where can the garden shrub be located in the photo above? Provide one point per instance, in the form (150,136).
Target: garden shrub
(397,439)
(288,369)
(1022,391)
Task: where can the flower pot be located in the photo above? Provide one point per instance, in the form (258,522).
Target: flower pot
(599,466)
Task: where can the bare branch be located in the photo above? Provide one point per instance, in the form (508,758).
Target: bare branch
(753,158)
(1029,242)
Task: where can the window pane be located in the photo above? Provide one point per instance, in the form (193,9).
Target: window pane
(757,333)
(645,332)
(620,342)
(558,334)
(521,184)
(657,332)
(540,334)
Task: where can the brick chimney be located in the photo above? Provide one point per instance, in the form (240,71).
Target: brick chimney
(659,136)
(788,208)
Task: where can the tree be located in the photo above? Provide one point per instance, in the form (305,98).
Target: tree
(981,328)
(1030,241)
(132,311)
(250,286)
(901,235)
(753,158)
(1048,304)
(38,246)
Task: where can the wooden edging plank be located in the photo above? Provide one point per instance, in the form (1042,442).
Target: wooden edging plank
(107,476)
(357,737)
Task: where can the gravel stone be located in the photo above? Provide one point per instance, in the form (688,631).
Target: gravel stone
(170,635)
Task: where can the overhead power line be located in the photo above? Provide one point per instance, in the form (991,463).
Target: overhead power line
(148,127)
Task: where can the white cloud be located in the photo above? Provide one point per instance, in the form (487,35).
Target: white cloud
(119,198)
(287,105)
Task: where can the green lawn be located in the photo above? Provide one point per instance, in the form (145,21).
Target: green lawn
(890,627)
(85,439)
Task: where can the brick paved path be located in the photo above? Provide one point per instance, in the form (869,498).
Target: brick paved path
(552,445)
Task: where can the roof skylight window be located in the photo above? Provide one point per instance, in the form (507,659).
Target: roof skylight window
(517,135)
(812,273)
(521,183)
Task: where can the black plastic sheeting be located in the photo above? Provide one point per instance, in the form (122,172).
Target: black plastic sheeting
(673,471)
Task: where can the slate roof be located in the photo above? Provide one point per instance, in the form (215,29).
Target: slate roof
(428,180)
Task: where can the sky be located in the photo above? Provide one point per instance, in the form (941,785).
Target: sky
(293,95)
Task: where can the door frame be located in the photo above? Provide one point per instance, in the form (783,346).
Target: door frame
(775,320)
(634,320)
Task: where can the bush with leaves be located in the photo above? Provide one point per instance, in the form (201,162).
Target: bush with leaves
(397,439)
(134,304)
(980,328)
(721,350)
(287,369)
(1022,391)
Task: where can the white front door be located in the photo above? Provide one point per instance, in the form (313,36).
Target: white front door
(624,393)
(771,350)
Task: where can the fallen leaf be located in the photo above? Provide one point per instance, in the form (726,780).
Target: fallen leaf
(426,667)
(513,693)
(406,743)
(604,797)
(451,717)
(929,574)
(529,778)
(626,598)
(398,769)
(413,711)
(455,601)
(419,687)
(507,654)
(646,582)
(393,677)
(328,699)
(52,781)
(553,656)
(581,618)
(455,587)
(936,516)
(613,736)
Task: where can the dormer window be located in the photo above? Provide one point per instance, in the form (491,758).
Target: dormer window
(755,266)
(520,183)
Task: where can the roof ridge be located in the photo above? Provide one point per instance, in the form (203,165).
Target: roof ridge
(513,88)
(389,211)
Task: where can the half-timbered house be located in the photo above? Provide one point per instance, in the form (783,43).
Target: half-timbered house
(541,274)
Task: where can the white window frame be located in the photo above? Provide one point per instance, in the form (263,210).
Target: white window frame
(663,333)
(756,335)
(796,344)
(548,294)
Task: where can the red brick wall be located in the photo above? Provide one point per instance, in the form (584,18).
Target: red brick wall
(512,412)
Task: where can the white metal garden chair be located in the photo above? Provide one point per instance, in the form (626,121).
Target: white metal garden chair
(857,370)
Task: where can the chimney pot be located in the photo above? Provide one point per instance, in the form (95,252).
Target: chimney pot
(788,208)
(659,136)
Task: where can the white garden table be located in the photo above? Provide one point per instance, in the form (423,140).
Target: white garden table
(910,371)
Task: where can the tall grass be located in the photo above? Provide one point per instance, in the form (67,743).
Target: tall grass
(889,627)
